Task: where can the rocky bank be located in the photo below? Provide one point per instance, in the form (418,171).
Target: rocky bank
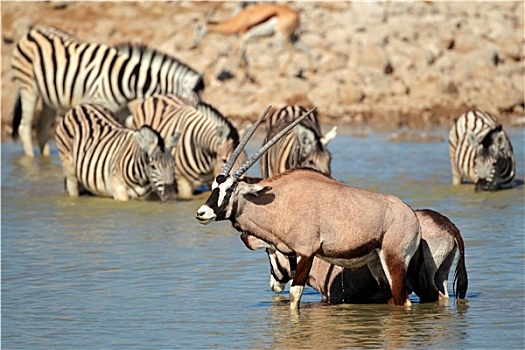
(383,65)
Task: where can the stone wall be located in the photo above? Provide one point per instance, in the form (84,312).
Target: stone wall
(387,65)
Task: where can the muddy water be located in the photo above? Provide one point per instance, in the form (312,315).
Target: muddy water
(92,273)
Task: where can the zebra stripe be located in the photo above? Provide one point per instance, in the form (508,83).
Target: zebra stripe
(207,138)
(64,71)
(481,152)
(102,157)
(304,146)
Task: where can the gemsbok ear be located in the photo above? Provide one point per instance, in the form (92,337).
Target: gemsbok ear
(243,189)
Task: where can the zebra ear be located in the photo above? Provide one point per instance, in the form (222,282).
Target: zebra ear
(329,136)
(172,141)
(147,139)
(129,122)
(222,134)
(244,130)
(500,140)
(306,139)
(472,139)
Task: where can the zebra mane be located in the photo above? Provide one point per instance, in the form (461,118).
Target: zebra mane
(487,139)
(211,112)
(310,123)
(160,140)
(131,49)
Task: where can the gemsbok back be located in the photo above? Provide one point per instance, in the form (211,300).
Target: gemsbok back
(440,239)
(307,213)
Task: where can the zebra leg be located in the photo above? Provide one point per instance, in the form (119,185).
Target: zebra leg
(71,181)
(42,129)
(28,99)
(120,192)
(456,174)
(184,188)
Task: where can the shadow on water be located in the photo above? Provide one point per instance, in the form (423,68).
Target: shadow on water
(322,326)
(80,272)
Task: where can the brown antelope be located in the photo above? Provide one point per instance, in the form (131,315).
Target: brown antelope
(260,20)
(440,239)
(307,213)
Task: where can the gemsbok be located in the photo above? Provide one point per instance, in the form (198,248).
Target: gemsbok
(265,19)
(440,239)
(307,213)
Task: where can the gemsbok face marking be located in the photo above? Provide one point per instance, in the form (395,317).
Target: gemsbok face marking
(309,214)
(218,205)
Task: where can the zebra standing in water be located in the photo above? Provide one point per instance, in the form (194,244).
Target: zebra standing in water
(481,152)
(104,158)
(207,138)
(305,146)
(64,71)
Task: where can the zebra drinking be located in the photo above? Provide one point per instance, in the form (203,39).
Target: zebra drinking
(104,158)
(481,152)
(207,138)
(304,146)
(64,71)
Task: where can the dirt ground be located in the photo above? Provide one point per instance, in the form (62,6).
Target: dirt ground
(381,65)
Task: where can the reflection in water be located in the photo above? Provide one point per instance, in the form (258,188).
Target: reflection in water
(80,272)
(323,326)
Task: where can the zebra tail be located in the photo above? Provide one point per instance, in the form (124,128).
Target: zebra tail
(17,116)
(460,275)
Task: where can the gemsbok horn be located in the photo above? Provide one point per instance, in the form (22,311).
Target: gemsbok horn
(307,213)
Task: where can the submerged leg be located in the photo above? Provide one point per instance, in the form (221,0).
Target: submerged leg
(304,265)
(28,100)
(395,271)
(42,129)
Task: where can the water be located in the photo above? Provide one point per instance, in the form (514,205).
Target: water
(92,273)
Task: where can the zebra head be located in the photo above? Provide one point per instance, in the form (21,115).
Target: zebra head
(160,165)
(282,269)
(490,158)
(227,140)
(313,151)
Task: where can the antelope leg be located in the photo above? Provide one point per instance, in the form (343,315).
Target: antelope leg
(304,265)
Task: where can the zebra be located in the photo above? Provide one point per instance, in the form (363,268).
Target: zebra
(102,157)
(63,71)
(305,146)
(481,152)
(207,138)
